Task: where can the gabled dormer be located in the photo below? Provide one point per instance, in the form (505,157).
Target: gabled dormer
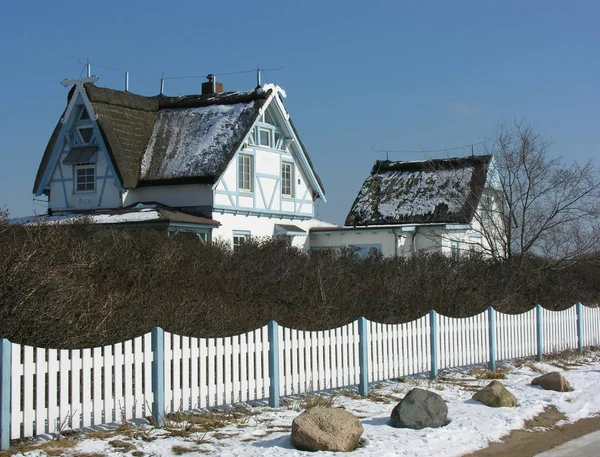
(272,174)
(77,172)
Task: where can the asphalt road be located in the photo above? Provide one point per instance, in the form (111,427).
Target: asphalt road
(586,446)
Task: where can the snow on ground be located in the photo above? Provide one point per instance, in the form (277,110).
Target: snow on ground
(265,432)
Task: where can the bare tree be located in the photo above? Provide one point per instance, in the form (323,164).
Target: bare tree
(535,204)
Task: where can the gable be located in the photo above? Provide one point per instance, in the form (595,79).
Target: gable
(76,139)
(285,137)
(435,191)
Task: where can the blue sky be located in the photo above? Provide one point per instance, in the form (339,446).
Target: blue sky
(360,76)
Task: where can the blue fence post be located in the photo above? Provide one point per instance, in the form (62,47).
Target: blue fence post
(579,326)
(492,338)
(158,376)
(363,344)
(273,331)
(5,383)
(540,349)
(433,323)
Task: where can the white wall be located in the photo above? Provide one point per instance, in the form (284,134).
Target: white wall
(261,227)
(339,239)
(62,188)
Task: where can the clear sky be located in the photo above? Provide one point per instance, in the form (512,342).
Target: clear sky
(360,76)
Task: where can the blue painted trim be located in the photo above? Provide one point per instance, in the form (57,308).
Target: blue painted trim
(246,233)
(303,159)
(363,360)
(540,349)
(5,385)
(64,187)
(262,194)
(492,338)
(266,175)
(579,326)
(158,376)
(200,228)
(258,213)
(433,323)
(273,364)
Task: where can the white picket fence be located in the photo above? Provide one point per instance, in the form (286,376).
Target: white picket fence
(48,390)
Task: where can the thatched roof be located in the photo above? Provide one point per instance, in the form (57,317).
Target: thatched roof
(146,135)
(431,191)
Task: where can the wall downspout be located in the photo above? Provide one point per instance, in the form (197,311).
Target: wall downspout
(395,242)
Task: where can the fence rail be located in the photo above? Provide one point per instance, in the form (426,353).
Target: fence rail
(48,390)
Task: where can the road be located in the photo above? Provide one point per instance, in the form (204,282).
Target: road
(585,446)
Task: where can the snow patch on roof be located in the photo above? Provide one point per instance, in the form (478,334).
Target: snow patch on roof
(142,215)
(193,142)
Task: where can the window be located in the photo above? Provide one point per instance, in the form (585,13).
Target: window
(245,172)
(287,179)
(264,137)
(455,250)
(240,238)
(85,176)
(85,133)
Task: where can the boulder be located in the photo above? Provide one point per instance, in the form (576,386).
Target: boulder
(552,381)
(326,429)
(419,409)
(495,395)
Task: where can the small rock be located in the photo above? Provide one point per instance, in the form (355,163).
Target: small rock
(326,429)
(552,381)
(495,395)
(420,409)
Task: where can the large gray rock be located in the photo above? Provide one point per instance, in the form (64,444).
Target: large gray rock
(326,429)
(419,409)
(495,395)
(552,381)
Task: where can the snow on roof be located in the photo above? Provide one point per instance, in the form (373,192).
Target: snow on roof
(194,142)
(433,191)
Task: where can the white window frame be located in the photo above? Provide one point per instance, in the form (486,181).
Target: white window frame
(76,169)
(291,179)
(244,186)
(239,238)
(269,132)
(455,249)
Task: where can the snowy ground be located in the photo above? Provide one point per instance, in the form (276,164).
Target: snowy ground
(261,431)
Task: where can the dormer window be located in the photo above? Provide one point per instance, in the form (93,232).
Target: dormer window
(264,137)
(86,134)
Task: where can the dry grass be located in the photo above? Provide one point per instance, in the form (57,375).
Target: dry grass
(122,446)
(308,401)
(484,373)
(180,450)
(50,448)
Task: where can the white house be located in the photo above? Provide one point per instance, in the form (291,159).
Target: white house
(227,165)
(405,207)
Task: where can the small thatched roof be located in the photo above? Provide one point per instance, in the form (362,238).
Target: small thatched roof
(430,191)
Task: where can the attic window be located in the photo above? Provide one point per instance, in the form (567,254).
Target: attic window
(264,137)
(84,114)
(86,134)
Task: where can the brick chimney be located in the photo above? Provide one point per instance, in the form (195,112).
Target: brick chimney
(212,86)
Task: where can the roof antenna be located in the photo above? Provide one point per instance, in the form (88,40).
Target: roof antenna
(257,76)
(126,81)
(472,155)
(88,67)
(162,83)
